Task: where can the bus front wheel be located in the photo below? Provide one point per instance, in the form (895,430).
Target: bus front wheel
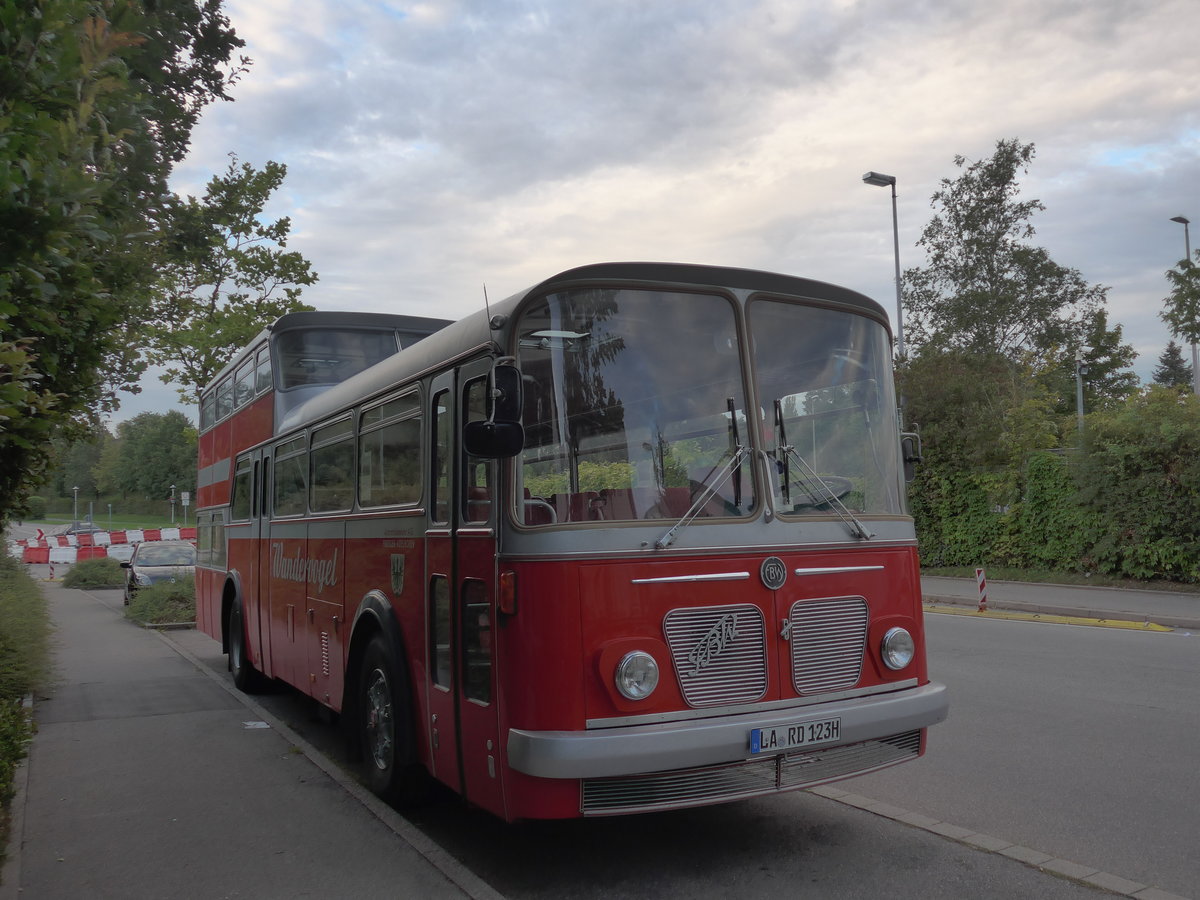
(384,729)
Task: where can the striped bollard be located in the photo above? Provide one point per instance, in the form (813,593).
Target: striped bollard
(982,581)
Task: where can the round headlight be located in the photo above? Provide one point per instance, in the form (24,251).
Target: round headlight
(637,675)
(898,648)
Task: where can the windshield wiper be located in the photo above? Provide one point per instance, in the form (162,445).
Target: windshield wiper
(710,488)
(818,489)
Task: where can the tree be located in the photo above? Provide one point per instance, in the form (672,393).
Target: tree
(152,452)
(97,102)
(1172,369)
(226,275)
(1109,380)
(985,288)
(1181,309)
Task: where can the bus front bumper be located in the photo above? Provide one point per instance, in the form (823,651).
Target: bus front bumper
(635,749)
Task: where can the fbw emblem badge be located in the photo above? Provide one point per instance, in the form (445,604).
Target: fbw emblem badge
(773,573)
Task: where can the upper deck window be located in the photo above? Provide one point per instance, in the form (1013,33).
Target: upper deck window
(330,355)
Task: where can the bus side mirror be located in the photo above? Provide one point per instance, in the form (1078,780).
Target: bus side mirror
(910,454)
(493,440)
(502,434)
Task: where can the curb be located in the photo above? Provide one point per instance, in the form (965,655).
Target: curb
(1113,618)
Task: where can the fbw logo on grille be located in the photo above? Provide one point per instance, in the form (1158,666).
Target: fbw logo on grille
(773,572)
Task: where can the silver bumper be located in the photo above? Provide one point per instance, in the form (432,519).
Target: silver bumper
(634,749)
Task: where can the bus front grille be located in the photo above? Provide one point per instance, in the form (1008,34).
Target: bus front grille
(750,778)
(828,638)
(719,653)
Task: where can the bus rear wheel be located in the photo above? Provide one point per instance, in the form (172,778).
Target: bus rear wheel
(384,730)
(245,677)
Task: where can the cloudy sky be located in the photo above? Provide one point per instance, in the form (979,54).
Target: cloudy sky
(437,147)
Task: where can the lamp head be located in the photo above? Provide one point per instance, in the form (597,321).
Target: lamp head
(878,179)
(1182,220)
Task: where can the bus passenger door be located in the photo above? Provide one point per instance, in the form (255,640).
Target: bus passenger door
(461,612)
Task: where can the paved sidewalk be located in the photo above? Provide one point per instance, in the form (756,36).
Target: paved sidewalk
(1170,608)
(148,778)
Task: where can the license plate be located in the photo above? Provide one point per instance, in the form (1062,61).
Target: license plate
(787,737)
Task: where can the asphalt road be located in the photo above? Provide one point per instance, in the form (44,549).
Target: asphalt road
(1081,742)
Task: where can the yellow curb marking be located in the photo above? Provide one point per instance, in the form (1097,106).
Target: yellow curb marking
(1038,617)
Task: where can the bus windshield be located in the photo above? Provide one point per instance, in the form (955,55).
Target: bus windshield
(634,407)
(825,388)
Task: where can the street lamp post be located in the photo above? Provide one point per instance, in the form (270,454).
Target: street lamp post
(76,515)
(1081,369)
(172,504)
(879,180)
(1187,256)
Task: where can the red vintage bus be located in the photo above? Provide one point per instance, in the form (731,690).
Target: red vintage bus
(633,539)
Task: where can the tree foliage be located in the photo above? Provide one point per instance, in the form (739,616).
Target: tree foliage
(225,275)
(97,102)
(152,451)
(1181,308)
(985,288)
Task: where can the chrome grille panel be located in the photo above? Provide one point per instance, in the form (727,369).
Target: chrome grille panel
(751,778)
(828,639)
(719,652)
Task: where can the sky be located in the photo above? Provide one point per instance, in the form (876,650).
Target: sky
(435,149)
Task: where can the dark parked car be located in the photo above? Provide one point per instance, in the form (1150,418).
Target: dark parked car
(155,561)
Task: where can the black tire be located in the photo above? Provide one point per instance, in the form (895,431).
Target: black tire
(245,676)
(384,729)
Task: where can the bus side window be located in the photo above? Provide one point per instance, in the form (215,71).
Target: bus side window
(262,376)
(477,473)
(243,387)
(208,411)
(240,503)
(390,464)
(291,478)
(439,631)
(440,485)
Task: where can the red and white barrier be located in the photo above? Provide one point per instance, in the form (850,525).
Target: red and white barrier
(981,580)
(68,548)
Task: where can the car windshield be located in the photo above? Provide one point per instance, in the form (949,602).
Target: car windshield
(825,387)
(166,555)
(634,408)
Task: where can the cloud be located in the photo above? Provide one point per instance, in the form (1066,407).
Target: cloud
(435,147)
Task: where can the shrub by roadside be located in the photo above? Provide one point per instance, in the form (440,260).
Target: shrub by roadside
(24,664)
(164,603)
(104,572)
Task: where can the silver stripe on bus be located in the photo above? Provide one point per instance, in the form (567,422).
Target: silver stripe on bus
(676,579)
(710,712)
(217,472)
(839,570)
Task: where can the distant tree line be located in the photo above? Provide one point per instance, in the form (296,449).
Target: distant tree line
(999,335)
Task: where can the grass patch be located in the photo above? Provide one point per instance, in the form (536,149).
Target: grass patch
(164,603)
(24,666)
(102,572)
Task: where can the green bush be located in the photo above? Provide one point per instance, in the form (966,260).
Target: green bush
(164,603)
(24,662)
(37,508)
(105,572)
